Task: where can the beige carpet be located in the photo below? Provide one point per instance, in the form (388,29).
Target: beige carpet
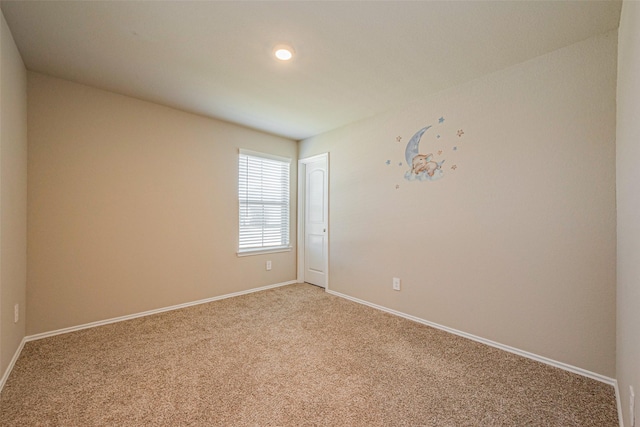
(291,356)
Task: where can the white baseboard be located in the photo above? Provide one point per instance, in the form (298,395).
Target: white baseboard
(26,339)
(619,402)
(151,312)
(574,369)
(504,347)
(611,381)
(7,372)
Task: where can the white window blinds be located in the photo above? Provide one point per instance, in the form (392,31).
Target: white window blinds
(263,194)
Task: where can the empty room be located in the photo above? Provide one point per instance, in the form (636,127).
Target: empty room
(331,213)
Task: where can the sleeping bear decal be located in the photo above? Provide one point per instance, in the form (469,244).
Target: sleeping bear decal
(423,167)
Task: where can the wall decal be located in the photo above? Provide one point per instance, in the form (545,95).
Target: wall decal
(429,167)
(423,167)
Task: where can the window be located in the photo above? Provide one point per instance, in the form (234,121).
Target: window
(263,194)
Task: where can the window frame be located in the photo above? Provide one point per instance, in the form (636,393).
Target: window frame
(262,249)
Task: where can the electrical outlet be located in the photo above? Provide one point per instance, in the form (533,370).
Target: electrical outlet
(632,406)
(268,265)
(396,284)
(16,313)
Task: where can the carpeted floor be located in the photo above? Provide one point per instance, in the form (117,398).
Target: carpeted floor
(291,356)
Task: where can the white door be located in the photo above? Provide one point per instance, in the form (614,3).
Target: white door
(315,220)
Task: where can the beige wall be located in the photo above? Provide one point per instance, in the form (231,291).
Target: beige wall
(628,191)
(133,206)
(515,245)
(13,196)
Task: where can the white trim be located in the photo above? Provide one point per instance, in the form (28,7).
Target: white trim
(249,252)
(619,402)
(302,164)
(151,312)
(504,347)
(264,155)
(314,158)
(300,221)
(264,182)
(35,337)
(611,381)
(7,372)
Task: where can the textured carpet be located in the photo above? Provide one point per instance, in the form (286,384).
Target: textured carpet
(291,356)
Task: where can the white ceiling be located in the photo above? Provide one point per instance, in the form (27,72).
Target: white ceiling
(354,59)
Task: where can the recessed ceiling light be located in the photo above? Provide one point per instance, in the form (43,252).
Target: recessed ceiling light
(283,52)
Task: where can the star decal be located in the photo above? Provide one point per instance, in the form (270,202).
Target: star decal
(460,133)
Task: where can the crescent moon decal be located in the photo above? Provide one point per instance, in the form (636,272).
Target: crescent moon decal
(412,147)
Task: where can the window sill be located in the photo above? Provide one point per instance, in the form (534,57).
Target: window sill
(250,252)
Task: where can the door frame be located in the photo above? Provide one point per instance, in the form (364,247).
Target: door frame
(302,169)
